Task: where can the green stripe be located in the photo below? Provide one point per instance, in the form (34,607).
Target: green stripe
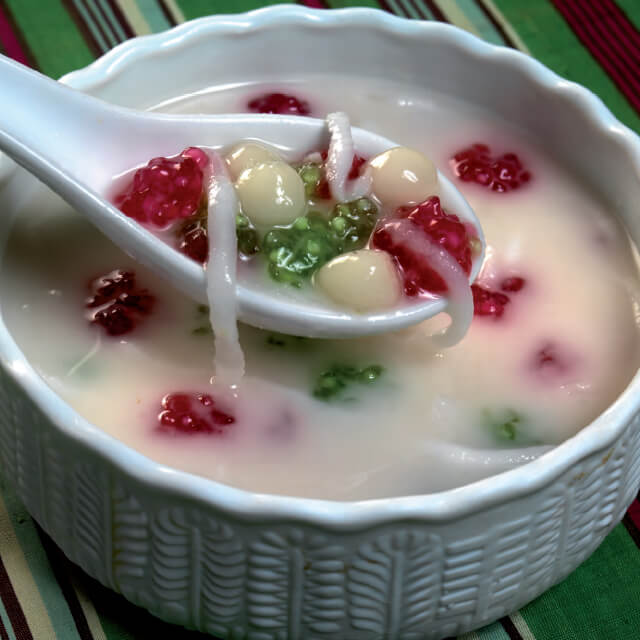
(478,19)
(6,622)
(603,594)
(154,16)
(393,5)
(198,8)
(563,52)
(29,540)
(494,631)
(412,13)
(56,44)
(95,16)
(113,21)
(91,25)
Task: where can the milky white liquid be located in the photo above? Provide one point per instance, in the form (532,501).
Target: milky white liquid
(396,436)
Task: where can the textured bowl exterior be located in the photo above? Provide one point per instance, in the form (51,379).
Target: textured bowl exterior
(241,565)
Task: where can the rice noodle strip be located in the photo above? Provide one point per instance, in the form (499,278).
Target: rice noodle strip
(459,297)
(339,160)
(221,274)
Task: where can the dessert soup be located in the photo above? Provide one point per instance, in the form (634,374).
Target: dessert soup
(553,341)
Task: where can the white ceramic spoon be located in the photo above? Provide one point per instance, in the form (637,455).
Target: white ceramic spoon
(77,144)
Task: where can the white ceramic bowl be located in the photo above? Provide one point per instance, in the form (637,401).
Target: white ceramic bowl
(241,565)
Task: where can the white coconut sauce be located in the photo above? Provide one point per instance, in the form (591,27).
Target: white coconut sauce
(565,348)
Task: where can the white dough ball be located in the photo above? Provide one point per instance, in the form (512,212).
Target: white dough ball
(271,193)
(364,280)
(246,155)
(403,176)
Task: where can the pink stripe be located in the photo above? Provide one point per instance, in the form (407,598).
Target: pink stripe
(314,4)
(10,42)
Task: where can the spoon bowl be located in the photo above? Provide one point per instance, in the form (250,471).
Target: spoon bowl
(78,145)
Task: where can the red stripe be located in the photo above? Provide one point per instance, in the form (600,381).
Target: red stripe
(9,40)
(600,51)
(61,569)
(632,530)
(631,521)
(611,11)
(625,48)
(314,4)
(12,607)
(510,628)
(603,40)
(634,513)
(601,48)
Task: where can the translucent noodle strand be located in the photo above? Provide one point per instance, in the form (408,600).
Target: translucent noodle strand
(339,159)
(221,275)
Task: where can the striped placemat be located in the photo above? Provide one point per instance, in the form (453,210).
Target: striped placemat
(594,42)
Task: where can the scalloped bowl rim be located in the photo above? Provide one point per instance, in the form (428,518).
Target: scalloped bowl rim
(338,515)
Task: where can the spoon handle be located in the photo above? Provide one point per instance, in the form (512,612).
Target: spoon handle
(77,144)
(66,139)
(44,125)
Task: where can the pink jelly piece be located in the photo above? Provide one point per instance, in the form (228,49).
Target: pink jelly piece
(443,229)
(281,103)
(116,303)
(501,173)
(513,284)
(167,189)
(487,302)
(191,413)
(356,167)
(195,244)
(198,155)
